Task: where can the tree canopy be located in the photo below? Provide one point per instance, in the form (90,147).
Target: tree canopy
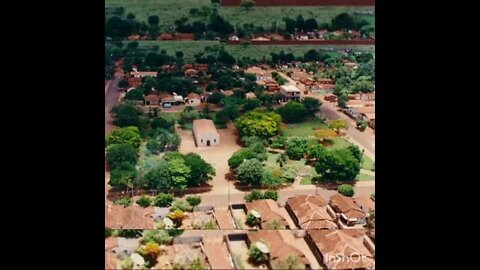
(250,172)
(260,123)
(338,165)
(126,135)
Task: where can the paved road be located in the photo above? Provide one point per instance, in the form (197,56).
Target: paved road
(363,139)
(111,98)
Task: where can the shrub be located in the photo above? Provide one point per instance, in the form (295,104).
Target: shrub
(108,232)
(239,156)
(144,201)
(257,256)
(346,190)
(123,201)
(160,237)
(254,195)
(194,200)
(164,200)
(177,217)
(181,205)
(271,194)
(251,220)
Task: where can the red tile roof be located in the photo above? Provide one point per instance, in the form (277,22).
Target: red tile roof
(347,206)
(269,211)
(311,212)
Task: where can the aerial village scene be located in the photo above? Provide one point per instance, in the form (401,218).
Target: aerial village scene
(239,134)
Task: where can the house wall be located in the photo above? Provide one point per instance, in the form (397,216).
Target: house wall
(292,215)
(201,140)
(193,102)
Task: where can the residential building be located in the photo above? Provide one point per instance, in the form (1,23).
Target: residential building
(291,92)
(152,99)
(269,213)
(311,212)
(193,99)
(261,74)
(250,95)
(342,249)
(348,213)
(205,133)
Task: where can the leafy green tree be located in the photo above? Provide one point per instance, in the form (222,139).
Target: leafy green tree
(239,156)
(317,151)
(154,146)
(338,165)
(144,201)
(119,153)
(250,172)
(160,237)
(251,104)
(229,112)
(123,84)
(163,122)
(311,24)
(164,200)
(180,172)
(259,123)
(194,200)
(173,155)
(292,112)
(188,115)
(135,94)
(181,205)
(123,176)
(278,142)
(153,20)
(343,21)
(251,220)
(312,105)
(200,170)
(346,190)
(249,140)
(312,55)
(126,135)
(356,152)
(296,148)
(216,97)
(271,194)
(338,124)
(127,115)
(257,256)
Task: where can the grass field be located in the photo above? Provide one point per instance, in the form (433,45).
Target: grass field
(190,48)
(303,129)
(365,177)
(368,164)
(339,143)
(171,10)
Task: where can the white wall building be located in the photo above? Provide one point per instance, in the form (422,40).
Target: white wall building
(205,133)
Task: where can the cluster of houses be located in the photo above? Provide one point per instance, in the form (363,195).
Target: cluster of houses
(327,235)
(299,212)
(165,36)
(228,249)
(265,78)
(319,34)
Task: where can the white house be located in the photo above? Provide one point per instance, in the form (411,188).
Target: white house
(193,99)
(205,133)
(290,91)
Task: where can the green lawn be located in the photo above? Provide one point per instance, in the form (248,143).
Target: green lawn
(307,180)
(368,164)
(303,129)
(190,48)
(365,177)
(171,10)
(339,143)
(272,161)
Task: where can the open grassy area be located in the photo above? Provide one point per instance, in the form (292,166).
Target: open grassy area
(365,177)
(303,129)
(190,48)
(368,164)
(339,143)
(272,161)
(171,10)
